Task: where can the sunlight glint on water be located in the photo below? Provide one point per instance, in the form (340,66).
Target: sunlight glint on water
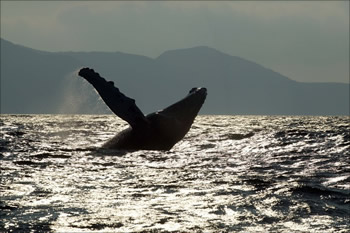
(230,173)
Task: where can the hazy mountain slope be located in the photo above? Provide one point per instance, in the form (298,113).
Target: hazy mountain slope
(31,80)
(40,82)
(238,86)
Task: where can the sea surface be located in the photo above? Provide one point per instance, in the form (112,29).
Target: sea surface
(229,174)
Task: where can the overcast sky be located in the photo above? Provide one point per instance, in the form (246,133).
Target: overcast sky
(306,41)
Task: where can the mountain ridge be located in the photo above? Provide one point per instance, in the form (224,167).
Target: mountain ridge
(35,81)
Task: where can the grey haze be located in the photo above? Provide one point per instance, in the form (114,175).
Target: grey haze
(35,81)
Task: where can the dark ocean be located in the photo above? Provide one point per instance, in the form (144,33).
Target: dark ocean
(229,174)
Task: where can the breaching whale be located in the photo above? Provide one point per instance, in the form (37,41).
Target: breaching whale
(160,130)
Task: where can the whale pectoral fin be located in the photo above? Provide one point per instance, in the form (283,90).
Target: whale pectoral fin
(121,105)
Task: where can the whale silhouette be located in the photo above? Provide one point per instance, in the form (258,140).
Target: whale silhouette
(160,130)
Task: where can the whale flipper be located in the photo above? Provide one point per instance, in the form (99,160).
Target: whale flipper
(121,105)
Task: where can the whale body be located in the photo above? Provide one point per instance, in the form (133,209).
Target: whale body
(160,130)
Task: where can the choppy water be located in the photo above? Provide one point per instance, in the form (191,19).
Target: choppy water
(230,173)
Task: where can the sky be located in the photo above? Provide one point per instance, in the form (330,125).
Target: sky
(306,41)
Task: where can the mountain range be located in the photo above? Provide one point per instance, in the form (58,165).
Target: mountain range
(39,82)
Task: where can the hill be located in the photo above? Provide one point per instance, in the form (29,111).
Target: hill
(35,81)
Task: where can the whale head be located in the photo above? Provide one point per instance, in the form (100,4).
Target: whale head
(187,108)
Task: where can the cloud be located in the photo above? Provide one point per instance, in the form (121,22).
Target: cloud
(318,11)
(272,10)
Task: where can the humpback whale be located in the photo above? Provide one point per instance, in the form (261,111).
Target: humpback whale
(160,130)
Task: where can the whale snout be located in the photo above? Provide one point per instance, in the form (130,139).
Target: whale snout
(197,96)
(200,90)
(203,90)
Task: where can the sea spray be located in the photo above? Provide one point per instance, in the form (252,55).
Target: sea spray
(80,97)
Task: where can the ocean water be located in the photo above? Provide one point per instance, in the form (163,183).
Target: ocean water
(229,174)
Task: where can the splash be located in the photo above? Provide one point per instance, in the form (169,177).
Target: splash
(79,97)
